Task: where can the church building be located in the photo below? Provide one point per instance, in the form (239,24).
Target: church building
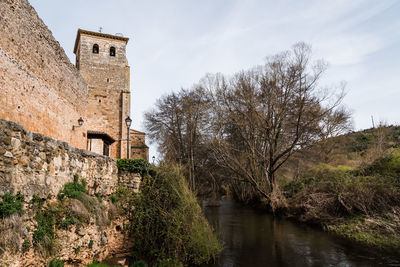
(101,60)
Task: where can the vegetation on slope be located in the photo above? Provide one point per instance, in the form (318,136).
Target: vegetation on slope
(167,223)
(361,203)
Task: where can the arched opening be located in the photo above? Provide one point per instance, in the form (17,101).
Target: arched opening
(95,49)
(112,51)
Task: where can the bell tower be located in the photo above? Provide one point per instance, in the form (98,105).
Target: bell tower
(101,60)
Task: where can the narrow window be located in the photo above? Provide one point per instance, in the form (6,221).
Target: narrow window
(106,149)
(112,51)
(95,49)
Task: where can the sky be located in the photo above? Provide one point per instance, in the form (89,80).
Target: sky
(174,43)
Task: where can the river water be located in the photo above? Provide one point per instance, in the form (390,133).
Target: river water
(254,238)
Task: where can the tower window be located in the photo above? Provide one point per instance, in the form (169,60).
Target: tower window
(95,49)
(112,51)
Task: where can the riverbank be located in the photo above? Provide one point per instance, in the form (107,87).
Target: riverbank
(361,204)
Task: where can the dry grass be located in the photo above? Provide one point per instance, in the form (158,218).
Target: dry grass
(358,203)
(11,230)
(325,193)
(382,231)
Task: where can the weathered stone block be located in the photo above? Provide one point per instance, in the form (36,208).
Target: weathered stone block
(15,143)
(6,140)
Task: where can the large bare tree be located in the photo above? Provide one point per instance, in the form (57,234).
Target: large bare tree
(247,126)
(262,116)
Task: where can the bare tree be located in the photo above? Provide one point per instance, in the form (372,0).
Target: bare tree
(247,126)
(262,116)
(178,124)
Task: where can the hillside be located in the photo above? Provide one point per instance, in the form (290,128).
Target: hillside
(352,149)
(350,185)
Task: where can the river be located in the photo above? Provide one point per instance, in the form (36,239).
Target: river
(254,238)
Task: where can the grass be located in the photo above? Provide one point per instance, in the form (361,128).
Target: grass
(69,220)
(361,203)
(44,234)
(342,191)
(26,245)
(57,215)
(11,204)
(56,263)
(114,198)
(73,189)
(376,232)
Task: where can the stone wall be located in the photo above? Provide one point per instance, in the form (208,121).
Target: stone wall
(38,165)
(35,164)
(39,87)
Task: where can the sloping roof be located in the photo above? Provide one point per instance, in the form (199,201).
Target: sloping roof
(99,34)
(136,132)
(100,135)
(142,146)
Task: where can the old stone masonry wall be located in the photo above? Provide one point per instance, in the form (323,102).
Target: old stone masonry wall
(39,86)
(38,165)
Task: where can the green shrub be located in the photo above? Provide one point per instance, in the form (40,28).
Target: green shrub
(45,231)
(99,199)
(11,204)
(114,198)
(388,166)
(139,264)
(36,200)
(168,223)
(361,142)
(168,263)
(73,189)
(26,245)
(90,245)
(56,263)
(70,219)
(140,166)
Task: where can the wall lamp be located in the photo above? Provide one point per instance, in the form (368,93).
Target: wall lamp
(80,123)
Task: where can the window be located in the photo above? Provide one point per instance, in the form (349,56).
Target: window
(112,51)
(106,149)
(95,49)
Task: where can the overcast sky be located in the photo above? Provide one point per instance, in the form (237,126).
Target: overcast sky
(174,43)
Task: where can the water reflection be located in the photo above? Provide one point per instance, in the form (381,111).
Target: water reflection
(253,238)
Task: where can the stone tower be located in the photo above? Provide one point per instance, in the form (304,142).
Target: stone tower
(101,60)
